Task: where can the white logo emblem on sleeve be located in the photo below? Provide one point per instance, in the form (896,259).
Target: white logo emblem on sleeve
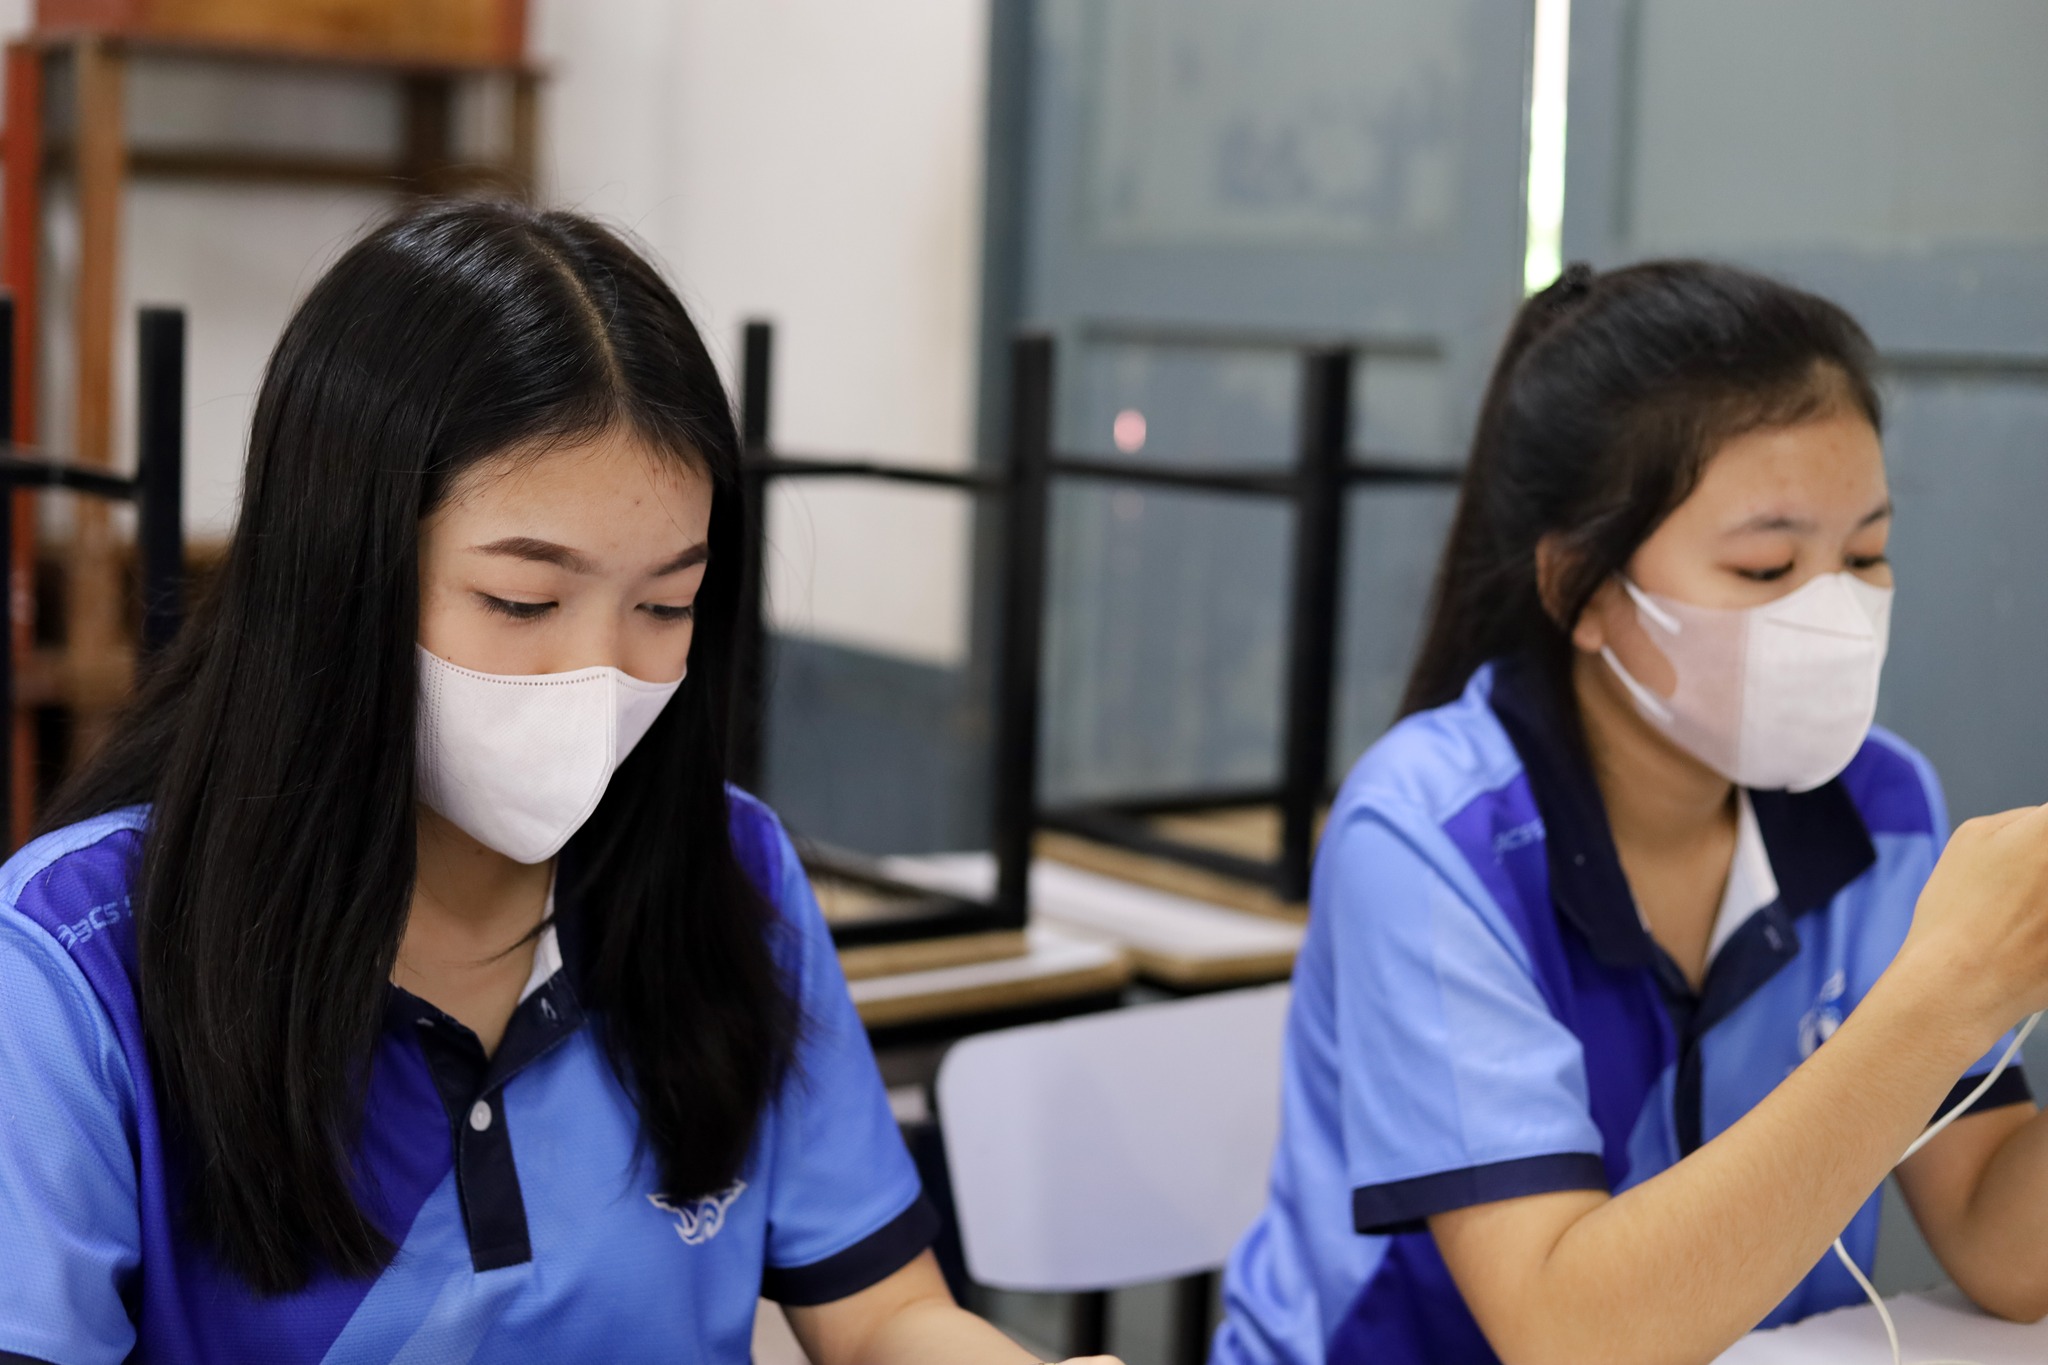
(698,1220)
(1818,1024)
(519,763)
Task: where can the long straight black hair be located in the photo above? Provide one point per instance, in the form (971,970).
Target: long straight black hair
(275,742)
(1609,395)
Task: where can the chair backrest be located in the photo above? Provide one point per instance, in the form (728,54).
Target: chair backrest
(1117,1148)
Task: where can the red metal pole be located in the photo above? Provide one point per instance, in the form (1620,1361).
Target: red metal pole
(21,214)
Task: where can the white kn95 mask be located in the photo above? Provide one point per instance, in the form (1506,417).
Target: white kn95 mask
(519,763)
(1779,696)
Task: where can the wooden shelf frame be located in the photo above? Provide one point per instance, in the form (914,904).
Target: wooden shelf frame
(94,671)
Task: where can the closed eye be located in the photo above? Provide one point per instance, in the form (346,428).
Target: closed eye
(1770,575)
(518,611)
(662,612)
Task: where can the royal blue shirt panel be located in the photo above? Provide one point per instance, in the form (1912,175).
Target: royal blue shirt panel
(86,1190)
(1451,1058)
(1479,1014)
(844,1205)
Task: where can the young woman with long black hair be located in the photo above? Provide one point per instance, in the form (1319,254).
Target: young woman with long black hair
(1615,1008)
(401,980)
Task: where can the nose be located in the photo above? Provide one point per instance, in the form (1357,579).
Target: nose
(598,640)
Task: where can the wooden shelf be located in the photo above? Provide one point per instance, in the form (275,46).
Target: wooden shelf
(262,166)
(94,41)
(440,34)
(255,54)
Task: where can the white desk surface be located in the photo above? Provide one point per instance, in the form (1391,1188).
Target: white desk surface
(1143,919)
(1938,1325)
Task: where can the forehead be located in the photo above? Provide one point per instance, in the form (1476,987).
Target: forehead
(1827,468)
(613,481)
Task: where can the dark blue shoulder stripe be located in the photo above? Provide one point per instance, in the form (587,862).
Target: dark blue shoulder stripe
(1889,792)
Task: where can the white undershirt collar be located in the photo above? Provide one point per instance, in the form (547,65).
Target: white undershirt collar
(1752,884)
(547,952)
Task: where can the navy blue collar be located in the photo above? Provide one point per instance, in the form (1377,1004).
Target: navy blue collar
(1816,840)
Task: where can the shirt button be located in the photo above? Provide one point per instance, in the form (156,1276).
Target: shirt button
(480,1115)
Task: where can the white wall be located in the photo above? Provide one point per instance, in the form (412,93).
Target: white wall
(807,161)
(818,164)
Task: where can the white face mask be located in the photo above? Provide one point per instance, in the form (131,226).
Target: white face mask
(519,763)
(1770,697)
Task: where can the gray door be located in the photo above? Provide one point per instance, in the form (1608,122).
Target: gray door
(1213,186)
(1892,155)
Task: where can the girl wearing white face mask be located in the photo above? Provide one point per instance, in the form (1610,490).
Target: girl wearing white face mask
(401,979)
(1616,1008)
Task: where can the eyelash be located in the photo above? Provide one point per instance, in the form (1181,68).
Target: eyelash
(1856,563)
(518,611)
(668,615)
(533,611)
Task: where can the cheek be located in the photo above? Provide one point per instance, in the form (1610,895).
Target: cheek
(442,628)
(661,652)
(1623,627)
(1674,564)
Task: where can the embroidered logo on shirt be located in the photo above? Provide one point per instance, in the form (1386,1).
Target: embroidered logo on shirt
(1521,836)
(1818,1024)
(698,1220)
(103,916)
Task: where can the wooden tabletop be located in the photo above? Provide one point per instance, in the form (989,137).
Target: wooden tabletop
(1056,965)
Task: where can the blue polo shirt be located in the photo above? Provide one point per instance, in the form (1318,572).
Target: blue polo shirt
(526,1211)
(1479,1014)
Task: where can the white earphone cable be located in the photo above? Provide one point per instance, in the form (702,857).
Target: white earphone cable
(1955,1112)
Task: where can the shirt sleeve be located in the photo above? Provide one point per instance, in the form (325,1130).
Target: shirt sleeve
(68,1201)
(1458,1085)
(847,1209)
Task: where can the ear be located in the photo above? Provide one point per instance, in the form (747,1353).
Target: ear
(1554,561)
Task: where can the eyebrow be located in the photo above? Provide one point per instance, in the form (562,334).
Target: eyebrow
(538,552)
(1778,522)
(547,552)
(688,559)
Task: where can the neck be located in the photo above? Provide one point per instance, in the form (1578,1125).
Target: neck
(467,945)
(1657,795)
(459,880)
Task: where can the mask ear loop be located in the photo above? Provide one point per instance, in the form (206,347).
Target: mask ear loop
(1664,620)
(1961,1107)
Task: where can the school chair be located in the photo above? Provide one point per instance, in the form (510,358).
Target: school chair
(1115,1149)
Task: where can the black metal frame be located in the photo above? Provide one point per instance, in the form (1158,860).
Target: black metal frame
(1323,474)
(157,490)
(1316,487)
(925,914)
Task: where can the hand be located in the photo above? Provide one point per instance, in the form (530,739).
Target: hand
(1979,942)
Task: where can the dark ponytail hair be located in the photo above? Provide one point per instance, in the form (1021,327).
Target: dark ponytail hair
(275,742)
(1609,395)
